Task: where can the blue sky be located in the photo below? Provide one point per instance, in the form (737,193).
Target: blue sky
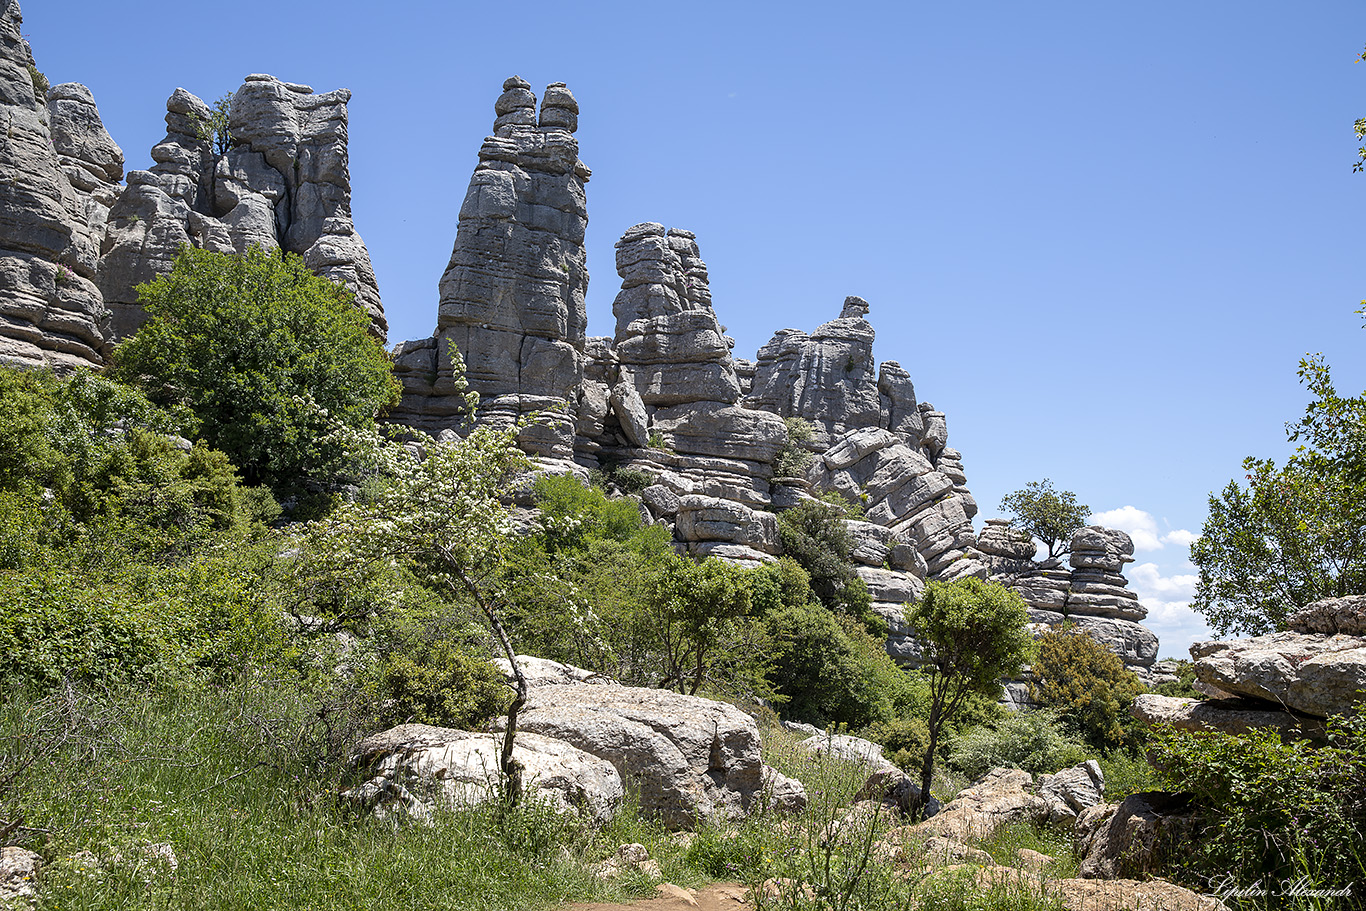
(1099,236)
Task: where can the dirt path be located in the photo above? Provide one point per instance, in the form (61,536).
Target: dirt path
(716,897)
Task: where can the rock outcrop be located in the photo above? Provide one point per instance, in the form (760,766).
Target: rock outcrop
(512,296)
(689,758)
(279,179)
(1228,716)
(1091,592)
(51,312)
(417,768)
(1001,798)
(1138,837)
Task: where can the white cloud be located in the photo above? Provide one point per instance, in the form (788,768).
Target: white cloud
(1181,537)
(1142,527)
(1167,599)
(1147,580)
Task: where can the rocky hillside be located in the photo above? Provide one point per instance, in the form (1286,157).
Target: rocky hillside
(664,398)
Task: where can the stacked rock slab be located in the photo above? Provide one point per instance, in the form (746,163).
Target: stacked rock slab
(51,312)
(672,399)
(283,183)
(1092,593)
(512,297)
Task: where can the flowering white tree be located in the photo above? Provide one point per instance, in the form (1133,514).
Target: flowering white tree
(437,508)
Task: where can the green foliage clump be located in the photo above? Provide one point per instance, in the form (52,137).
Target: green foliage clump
(215,129)
(1272,812)
(573,513)
(1184,687)
(813,533)
(1087,684)
(40,83)
(268,358)
(1294,534)
(794,458)
(1048,514)
(1035,741)
(438,675)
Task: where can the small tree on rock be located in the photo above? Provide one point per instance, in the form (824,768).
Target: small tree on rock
(1048,514)
(974,634)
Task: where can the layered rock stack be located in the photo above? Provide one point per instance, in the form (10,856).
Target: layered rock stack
(512,297)
(51,312)
(1290,681)
(1092,594)
(283,183)
(75,242)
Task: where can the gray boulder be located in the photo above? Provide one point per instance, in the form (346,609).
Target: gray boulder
(1331,616)
(690,758)
(1072,791)
(1310,673)
(1228,716)
(1138,837)
(1002,797)
(418,768)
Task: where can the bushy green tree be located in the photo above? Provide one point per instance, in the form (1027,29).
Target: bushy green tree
(1087,685)
(814,534)
(1295,533)
(1048,514)
(974,634)
(267,356)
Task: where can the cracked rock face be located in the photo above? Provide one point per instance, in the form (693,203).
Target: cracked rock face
(284,182)
(512,297)
(51,312)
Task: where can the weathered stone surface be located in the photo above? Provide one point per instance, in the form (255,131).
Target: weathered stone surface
(1130,895)
(283,183)
(51,314)
(890,586)
(1071,791)
(512,296)
(1094,547)
(702,518)
(999,539)
(1137,837)
(448,767)
(1331,616)
(544,672)
(669,343)
(885,783)
(691,758)
(827,378)
(718,429)
(1312,673)
(1000,798)
(18,869)
(1228,716)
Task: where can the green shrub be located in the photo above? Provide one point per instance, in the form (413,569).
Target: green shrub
(794,458)
(1273,811)
(268,357)
(813,533)
(572,513)
(446,685)
(40,83)
(1032,741)
(1087,684)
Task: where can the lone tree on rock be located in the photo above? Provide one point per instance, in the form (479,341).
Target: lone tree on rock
(974,635)
(1048,514)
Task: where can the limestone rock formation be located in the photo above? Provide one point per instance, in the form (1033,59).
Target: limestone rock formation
(1071,792)
(1228,716)
(1309,673)
(51,312)
(283,181)
(512,297)
(1091,593)
(420,768)
(1002,797)
(691,758)
(1137,837)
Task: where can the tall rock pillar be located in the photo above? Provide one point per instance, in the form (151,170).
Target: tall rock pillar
(512,297)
